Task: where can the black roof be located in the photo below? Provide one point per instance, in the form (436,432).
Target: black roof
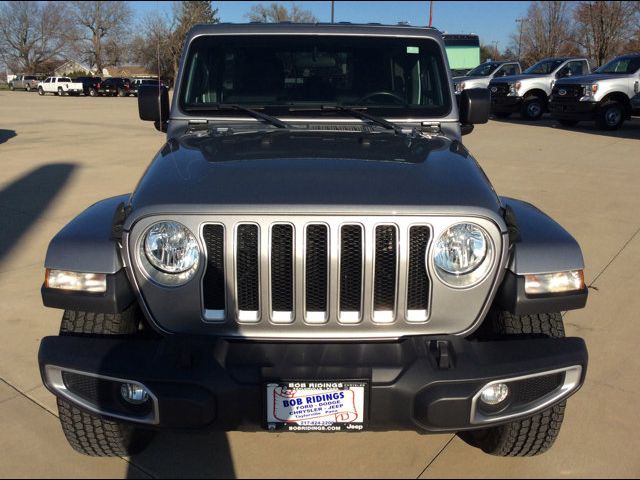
(345,28)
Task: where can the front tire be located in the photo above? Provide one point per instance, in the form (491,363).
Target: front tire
(28,88)
(11,87)
(60,92)
(40,91)
(92,92)
(610,116)
(86,432)
(535,434)
(532,108)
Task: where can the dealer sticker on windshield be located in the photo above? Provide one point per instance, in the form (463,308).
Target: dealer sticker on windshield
(316,406)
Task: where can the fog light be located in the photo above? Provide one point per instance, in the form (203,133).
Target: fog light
(495,394)
(134,393)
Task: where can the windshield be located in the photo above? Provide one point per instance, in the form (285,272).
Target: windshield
(483,70)
(623,65)
(387,75)
(544,67)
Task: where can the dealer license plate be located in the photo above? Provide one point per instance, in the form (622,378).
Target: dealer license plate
(316,406)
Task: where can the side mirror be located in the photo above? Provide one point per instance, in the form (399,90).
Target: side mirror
(474,106)
(153,105)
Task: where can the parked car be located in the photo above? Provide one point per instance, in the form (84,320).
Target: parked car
(59,86)
(89,85)
(313,249)
(113,86)
(608,96)
(24,82)
(529,92)
(480,76)
(137,82)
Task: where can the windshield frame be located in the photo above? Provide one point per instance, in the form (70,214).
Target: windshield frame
(288,110)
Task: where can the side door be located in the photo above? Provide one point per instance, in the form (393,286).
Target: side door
(46,85)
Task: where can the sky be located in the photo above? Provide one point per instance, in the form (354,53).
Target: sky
(492,21)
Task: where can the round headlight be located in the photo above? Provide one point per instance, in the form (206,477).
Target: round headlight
(460,249)
(171,247)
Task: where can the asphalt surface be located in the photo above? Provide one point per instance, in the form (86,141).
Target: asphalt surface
(59,155)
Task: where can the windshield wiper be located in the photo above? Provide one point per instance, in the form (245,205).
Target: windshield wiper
(258,115)
(366,116)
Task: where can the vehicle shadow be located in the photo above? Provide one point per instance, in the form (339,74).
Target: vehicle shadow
(6,135)
(185,455)
(630,129)
(23,201)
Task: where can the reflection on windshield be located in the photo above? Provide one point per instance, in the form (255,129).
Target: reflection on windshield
(621,66)
(483,70)
(544,67)
(271,71)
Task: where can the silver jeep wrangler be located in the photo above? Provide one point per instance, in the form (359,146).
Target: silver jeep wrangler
(313,249)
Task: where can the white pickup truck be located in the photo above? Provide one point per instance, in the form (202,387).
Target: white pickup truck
(59,86)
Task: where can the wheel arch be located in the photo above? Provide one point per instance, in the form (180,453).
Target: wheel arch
(620,97)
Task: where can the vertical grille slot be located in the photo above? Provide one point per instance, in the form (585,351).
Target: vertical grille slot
(351,268)
(282,273)
(418,281)
(316,273)
(385,271)
(213,283)
(248,273)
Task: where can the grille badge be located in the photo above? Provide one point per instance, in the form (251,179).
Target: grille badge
(562,92)
(494,89)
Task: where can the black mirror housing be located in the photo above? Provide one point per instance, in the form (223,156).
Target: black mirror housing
(153,103)
(475,105)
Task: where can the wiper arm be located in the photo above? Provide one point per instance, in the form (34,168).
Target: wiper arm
(258,115)
(367,116)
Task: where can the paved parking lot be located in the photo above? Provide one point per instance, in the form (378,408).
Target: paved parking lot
(59,155)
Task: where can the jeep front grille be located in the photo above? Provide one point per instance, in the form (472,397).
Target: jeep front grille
(308,268)
(279,275)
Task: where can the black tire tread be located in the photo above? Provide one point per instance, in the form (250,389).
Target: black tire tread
(97,437)
(535,434)
(85,432)
(78,322)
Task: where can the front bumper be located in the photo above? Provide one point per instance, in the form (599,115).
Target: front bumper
(507,103)
(572,110)
(425,384)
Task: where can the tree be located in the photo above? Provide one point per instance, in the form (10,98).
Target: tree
(151,47)
(187,14)
(32,34)
(547,31)
(162,40)
(605,28)
(275,13)
(489,52)
(104,31)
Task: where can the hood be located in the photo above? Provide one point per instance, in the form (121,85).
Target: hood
(468,78)
(592,78)
(286,167)
(515,78)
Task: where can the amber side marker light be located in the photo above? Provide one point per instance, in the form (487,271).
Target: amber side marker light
(76,281)
(559,282)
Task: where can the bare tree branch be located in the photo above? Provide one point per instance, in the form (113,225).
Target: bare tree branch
(275,13)
(33,34)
